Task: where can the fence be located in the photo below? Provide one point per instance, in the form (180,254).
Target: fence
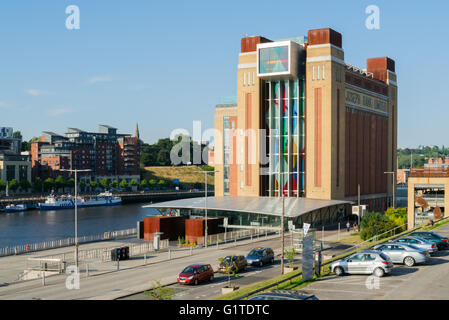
(104,254)
(53,244)
(230,236)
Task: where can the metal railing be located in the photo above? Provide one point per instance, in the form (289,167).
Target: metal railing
(53,244)
(238,235)
(104,254)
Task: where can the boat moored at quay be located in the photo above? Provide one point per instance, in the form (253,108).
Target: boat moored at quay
(68,202)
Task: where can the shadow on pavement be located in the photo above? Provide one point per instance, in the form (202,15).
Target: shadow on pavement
(402,270)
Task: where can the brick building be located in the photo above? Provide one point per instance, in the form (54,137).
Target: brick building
(107,153)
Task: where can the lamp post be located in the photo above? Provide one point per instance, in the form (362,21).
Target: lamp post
(76,207)
(282,233)
(205,201)
(394,199)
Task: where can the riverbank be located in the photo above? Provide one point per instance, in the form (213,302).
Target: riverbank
(127,197)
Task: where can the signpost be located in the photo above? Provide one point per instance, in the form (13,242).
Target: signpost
(307,257)
(306,227)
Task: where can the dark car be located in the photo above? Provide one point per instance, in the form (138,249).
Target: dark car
(283,295)
(440,241)
(238,263)
(196,273)
(260,256)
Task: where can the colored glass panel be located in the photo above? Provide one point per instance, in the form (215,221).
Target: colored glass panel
(273,60)
(285,126)
(275,90)
(294,89)
(303,108)
(284,144)
(294,106)
(285,108)
(294,163)
(294,126)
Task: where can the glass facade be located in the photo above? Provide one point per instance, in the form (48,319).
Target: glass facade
(226,147)
(284,103)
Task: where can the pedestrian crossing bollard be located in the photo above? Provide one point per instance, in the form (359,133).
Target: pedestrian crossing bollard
(118,265)
(169,254)
(145,259)
(191,248)
(87,270)
(43,278)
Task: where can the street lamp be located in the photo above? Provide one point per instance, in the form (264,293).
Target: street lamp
(394,199)
(76,208)
(282,233)
(205,200)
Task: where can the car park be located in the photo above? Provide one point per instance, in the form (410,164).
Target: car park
(260,256)
(418,242)
(441,242)
(196,273)
(238,263)
(283,295)
(403,253)
(363,262)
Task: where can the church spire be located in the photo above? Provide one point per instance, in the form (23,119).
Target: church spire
(137,131)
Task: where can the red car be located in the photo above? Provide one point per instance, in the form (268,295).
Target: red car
(196,273)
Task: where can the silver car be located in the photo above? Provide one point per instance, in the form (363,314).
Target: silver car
(403,253)
(363,262)
(418,242)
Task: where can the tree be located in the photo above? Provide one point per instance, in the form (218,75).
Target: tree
(38,184)
(25,185)
(2,185)
(123,184)
(290,256)
(380,221)
(158,292)
(82,185)
(398,217)
(49,184)
(133,183)
(60,183)
(144,184)
(114,184)
(230,268)
(70,183)
(104,183)
(14,185)
(93,184)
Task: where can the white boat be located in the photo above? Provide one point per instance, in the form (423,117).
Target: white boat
(15,208)
(68,202)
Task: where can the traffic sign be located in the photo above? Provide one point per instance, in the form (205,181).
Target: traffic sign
(306,227)
(291,226)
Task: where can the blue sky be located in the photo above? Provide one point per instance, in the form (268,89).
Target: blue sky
(164,64)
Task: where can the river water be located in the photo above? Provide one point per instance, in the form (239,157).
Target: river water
(35,226)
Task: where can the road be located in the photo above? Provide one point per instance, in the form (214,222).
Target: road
(114,284)
(428,282)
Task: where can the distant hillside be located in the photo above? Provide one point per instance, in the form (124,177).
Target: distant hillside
(186,175)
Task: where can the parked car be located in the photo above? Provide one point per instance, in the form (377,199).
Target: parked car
(363,262)
(260,256)
(196,273)
(239,263)
(418,242)
(441,242)
(403,253)
(283,295)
